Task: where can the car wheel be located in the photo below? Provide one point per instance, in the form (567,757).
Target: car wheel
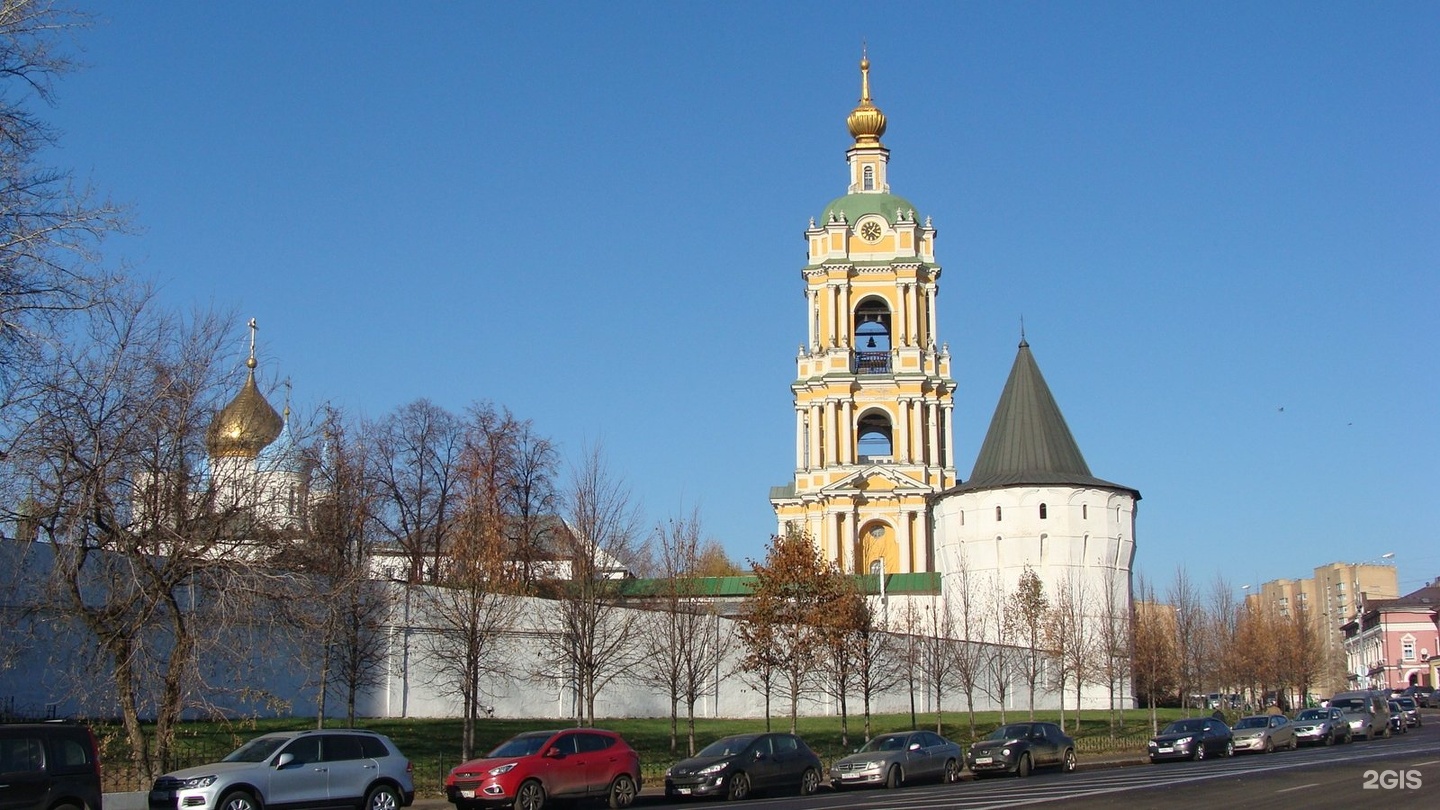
(739,787)
(382,797)
(1199,751)
(892,777)
(1022,770)
(1069,760)
(1269,746)
(952,772)
(1229,748)
(622,792)
(239,800)
(530,796)
(809,782)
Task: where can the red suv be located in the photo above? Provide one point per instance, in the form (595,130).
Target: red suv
(528,770)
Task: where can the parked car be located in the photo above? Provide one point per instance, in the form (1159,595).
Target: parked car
(318,768)
(1019,748)
(1321,727)
(1410,709)
(1367,712)
(896,759)
(45,765)
(1398,724)
(738,767)
(528,770)
(1192,738)
(1424,696)
(1264,733)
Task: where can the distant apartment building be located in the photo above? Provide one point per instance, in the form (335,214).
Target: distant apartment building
(1336,594)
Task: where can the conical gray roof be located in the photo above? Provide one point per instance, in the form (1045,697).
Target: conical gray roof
(1028,441)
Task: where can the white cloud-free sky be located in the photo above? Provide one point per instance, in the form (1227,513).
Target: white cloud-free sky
(1219,221)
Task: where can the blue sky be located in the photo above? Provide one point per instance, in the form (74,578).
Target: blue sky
(1218,221)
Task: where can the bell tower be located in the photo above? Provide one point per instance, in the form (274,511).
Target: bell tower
(873,394)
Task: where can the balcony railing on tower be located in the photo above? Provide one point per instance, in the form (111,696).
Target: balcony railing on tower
(870,363)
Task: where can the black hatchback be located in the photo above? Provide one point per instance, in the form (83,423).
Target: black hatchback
(738,767)
(45,765)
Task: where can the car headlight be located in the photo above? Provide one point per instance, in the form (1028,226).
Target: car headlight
(1185,741)
(197,782)
(1005,751)
(506,768)
(709,769)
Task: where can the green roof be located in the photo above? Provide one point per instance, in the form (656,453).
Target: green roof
(854,206)
(1028,442)
(925,582)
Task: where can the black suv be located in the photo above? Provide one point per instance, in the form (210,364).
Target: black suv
(49,766)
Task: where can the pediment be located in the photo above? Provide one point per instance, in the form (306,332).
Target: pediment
(874,480)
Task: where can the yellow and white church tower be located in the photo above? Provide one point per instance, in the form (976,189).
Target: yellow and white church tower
(873,393)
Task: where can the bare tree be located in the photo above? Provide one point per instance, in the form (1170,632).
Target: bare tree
(1029,607)
(50,229)
(416,451)
(877,665)
(937,657)
(589,634)
(682,644)
(841,626)
(1071,637)
(1189,631)
(1113,643)
(969,621)
(338,603)
(531,500)
(1000,656)
(153,559)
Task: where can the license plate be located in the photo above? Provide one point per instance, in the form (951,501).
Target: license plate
(1165,749)
(467,794)
(683,791)
(983,760)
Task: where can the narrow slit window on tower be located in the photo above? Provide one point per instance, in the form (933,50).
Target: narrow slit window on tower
(1084,511)
(997,513)
(1043,512)
(869,182)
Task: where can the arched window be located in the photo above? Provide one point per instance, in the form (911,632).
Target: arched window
(997,513)
(876,568)
(1084,511)
(1043,514)
(869,182)
(872,337)
(873,437)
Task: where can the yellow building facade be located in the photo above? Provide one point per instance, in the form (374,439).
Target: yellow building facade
(872,392)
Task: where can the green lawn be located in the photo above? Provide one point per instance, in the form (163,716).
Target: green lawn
(434,745)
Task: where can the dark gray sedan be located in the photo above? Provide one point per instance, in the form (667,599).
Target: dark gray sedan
(1019,748)
(896,759)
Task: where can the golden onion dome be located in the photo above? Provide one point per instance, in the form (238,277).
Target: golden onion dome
(866,122)
(244,427)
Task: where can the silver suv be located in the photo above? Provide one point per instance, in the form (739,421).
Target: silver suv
(293,770)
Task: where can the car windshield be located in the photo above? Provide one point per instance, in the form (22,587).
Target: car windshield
(257,750)
(1253,722)
(1184,726)
(1015,732)
(728,747)
(885,742)
(522,746)
(1406,703)
(1313,715)
(1349,705)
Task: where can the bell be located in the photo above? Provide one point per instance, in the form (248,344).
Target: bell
(870,344)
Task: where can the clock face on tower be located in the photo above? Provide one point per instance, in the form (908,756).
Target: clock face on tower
(870,231)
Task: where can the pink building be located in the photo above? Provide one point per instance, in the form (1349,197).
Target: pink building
(1394,643)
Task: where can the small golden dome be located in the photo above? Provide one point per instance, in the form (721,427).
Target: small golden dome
(866,122)
(244,427)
